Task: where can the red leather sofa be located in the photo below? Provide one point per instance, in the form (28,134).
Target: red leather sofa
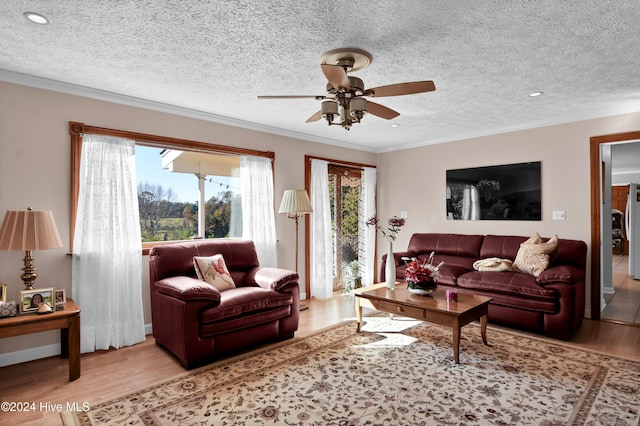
(552,303)
(197,323)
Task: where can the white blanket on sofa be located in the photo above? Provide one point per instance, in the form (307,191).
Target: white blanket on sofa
(493,264)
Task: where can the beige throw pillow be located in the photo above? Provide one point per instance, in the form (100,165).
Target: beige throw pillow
(533,255)
(213,270)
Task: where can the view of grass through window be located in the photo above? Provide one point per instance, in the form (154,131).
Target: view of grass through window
(169,184)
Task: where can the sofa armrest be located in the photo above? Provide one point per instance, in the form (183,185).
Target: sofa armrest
(561,274)
(397,257)
(272,278)
(187,288)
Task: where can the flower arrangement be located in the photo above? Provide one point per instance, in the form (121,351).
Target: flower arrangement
(421,274)
(390,233)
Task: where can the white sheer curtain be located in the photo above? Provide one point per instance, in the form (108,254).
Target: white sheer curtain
(258,217)
(367,234)
(321,240)
(107,258)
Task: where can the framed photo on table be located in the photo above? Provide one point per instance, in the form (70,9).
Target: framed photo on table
(61,297)
(3,292)
(30,300)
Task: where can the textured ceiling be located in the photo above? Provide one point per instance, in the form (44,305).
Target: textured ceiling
(214,57)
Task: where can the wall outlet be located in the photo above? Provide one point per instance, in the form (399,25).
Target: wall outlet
(558,215)
(404,214)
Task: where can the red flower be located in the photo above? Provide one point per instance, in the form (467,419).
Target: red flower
(420,272)
(395,223)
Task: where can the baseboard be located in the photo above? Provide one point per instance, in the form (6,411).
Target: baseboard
(39,352)
(30,354)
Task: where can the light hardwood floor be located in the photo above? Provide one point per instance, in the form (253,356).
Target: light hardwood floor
(109,373)
(624,304)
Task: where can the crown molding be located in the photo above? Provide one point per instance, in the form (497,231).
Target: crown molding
(117,98)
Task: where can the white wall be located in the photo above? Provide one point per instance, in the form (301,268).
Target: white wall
(35,172)
(414,180)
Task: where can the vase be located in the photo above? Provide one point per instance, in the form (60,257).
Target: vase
(421,291)
(422,288)
(390,268)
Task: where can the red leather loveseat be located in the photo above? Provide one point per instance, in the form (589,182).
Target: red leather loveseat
(196,322)
(552,303)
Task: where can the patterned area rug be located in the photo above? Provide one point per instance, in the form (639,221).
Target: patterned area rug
(395,372)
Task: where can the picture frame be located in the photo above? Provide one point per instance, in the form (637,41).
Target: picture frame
(28,304)
(3,292)
(60,296)
(502,192)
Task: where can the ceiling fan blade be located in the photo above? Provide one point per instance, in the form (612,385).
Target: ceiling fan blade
(402,89)
(337,76)
(381,111)
(315,117)
(292,97)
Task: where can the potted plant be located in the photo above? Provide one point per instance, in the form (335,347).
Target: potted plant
(420,275)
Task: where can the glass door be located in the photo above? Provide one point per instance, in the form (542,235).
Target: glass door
(344,194)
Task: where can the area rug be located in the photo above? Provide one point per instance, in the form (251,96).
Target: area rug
(395,372)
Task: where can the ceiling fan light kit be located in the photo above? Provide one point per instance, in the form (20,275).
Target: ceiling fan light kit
(344,104)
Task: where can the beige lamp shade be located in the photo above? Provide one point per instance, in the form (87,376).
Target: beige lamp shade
(29,230)
(26,231)
(295,202)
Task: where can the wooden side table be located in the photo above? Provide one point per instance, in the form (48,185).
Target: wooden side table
(67,320)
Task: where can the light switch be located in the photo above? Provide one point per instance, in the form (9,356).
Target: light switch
(404,215)
(559,215)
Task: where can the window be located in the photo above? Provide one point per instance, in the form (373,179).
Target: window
(173,184)
(168,182)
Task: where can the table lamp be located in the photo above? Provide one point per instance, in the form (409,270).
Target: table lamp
(295,203)
(26,231)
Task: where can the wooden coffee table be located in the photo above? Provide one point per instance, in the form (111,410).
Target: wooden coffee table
(433,308)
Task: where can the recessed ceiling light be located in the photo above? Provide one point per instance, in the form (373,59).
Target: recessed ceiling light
(534,94)
(395,125)
(36,18)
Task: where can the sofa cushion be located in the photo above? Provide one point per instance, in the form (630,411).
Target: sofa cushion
(170,260)
(533,255)
(242,301)
(445,244)
(245,322)
(508,283)
(501,246)
(213,270)
(562,274)
(526,309)
(448,274)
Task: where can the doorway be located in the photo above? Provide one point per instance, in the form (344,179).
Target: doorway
(344,196)
(622,300)
(350,244)
(606,266)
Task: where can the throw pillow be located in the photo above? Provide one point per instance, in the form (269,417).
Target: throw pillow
(533,255)
(213,270)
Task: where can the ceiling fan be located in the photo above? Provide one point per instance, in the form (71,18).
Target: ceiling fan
(345,98)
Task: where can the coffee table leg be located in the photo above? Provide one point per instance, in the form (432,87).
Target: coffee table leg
(456,343)
(483,329)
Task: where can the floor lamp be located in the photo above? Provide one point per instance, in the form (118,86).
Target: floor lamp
(295,203)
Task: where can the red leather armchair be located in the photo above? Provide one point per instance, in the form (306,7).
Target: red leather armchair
(197,323)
